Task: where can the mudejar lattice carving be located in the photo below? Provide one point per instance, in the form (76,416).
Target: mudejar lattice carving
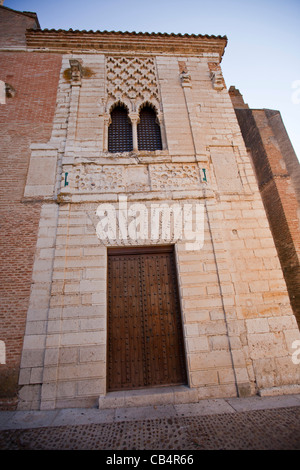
(132,81)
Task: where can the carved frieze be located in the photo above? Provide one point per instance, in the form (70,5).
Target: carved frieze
(98,179)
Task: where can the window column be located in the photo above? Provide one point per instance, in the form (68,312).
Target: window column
(134,118)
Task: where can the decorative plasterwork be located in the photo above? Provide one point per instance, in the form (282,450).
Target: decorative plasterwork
(131,81)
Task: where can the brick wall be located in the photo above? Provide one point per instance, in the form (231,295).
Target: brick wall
(13,26)
(26,118)
(278,174)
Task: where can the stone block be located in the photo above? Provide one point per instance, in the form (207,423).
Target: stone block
(32,358)
(207,360)
(92,353)
(204,377)
(90,387)
(266,345)
(66,389)
(288,373)
(257,325)
(197,344)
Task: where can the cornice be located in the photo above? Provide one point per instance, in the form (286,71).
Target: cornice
(119,42)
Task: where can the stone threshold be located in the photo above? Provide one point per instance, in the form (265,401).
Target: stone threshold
(282,390)
(175,395)
(151,396)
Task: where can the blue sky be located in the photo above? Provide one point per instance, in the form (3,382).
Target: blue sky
(261,58)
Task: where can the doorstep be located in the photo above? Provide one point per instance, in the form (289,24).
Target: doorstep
(151,396)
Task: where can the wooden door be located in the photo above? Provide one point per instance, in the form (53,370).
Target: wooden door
(145,341)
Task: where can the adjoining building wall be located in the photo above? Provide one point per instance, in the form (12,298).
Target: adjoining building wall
(26,114)
(13,26)
(278,174)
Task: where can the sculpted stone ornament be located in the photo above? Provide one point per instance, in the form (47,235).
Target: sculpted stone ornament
(185,78)
(217,79)
(76,72)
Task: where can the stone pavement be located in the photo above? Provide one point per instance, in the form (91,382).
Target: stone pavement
(262,423)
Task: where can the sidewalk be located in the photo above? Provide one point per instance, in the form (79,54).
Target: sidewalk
(234,423)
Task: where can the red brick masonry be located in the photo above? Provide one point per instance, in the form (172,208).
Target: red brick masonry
(25,118)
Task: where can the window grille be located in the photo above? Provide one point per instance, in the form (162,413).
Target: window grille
(120,131)
(149,137)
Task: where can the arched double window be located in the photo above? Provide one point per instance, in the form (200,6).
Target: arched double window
(128,132)
(120,131)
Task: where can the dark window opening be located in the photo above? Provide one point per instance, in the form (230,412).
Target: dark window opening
(120,131)
(148,130)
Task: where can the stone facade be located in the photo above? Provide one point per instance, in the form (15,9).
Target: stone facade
(239,327)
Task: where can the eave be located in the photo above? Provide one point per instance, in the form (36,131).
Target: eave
(125,42)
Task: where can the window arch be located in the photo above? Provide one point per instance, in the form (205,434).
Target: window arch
(148,130)
(120,130)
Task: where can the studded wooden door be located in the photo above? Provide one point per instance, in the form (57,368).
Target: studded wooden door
(145,341)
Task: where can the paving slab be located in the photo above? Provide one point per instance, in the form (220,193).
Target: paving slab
(260,403)
(267,429)
(27,419)
(205,407)
(84,416)
(74,417)
(5,418)
(145,412)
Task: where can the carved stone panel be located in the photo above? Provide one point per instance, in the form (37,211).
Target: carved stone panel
(172,176)
(99,178)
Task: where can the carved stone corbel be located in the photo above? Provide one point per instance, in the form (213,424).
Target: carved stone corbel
(217,79)
(185,79)
(76,72)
